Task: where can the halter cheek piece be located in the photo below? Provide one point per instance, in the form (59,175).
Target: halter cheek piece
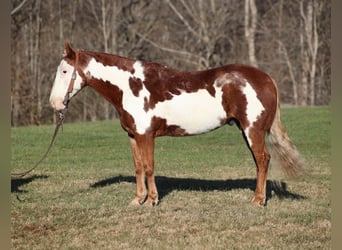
(72,82)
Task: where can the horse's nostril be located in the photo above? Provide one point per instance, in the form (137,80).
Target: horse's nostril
(53,104)
(57,105)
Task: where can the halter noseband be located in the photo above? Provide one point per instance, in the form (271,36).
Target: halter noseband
(72,81)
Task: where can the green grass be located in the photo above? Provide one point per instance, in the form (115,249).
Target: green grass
(78,197)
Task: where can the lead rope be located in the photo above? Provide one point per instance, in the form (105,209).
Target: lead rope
(59,122)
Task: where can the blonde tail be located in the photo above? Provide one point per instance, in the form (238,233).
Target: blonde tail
(283,150)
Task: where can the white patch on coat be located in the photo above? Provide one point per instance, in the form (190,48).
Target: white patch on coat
(139,70)
(61,85)
(115,75)
(254,108)
(223,80)
(196,112)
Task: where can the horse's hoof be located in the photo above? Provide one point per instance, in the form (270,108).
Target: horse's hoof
(136,202)
(259,202)
(151,203)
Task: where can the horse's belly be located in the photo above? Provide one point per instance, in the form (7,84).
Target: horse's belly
(196,113)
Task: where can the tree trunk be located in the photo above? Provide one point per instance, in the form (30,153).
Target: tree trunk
(313,40)
(37,73)
(291,72)
(250,28)
(303,87)
(16,95)
(106,34)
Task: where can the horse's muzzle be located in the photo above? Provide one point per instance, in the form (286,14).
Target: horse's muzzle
(58,105)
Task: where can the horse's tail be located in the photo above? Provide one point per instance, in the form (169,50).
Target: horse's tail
(283,150)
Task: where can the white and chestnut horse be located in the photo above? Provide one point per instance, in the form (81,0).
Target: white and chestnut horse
(154,100)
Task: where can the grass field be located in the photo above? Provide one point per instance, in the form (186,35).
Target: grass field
(78,197)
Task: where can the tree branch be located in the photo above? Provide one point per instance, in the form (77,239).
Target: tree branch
(16,9)
(183,19)
(165,48)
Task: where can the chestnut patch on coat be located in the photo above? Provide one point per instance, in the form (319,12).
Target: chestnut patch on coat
(162,128)
(163,83)
(146,104)
(110,92)
(128,123)
(234,103)
(136,85)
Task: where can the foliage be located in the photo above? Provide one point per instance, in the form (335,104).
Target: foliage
(78,198)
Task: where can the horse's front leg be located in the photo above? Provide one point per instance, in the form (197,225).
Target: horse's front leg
(140,195)
(143,153)
(146,143)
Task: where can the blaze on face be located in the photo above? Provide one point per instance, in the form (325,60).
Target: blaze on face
(61,84)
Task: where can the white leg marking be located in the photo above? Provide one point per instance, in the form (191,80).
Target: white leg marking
(253,110)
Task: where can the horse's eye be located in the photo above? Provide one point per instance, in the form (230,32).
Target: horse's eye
(64,71)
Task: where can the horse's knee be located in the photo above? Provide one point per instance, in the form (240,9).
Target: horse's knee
(149,171)
(139,171)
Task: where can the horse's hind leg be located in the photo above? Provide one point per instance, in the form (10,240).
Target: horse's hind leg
(256,142)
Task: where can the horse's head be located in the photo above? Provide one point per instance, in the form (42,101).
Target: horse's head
(68,80)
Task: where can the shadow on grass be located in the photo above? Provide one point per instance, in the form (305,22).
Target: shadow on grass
(16,183)
(166,185)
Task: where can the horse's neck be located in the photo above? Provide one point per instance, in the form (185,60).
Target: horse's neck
(109,75)
(109,60)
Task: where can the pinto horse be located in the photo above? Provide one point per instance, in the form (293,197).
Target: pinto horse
(154,100)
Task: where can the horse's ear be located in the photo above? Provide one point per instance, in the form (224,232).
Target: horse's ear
(68,52)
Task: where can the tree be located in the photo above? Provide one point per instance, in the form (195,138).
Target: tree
(309,46)
(290,40)
(251,14)
(300,42)
(30,56)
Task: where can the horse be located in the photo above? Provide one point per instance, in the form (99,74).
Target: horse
(154,100)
